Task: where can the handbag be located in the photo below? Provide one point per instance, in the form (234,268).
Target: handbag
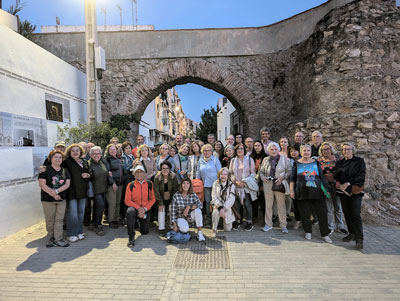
(280,187)
(355,189)
(198,188)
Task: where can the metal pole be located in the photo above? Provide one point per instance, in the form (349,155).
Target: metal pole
(133,16)
(120,16)
(136,14)
(93,98)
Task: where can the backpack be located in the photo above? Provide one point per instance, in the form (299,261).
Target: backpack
(149,187)
(178,237)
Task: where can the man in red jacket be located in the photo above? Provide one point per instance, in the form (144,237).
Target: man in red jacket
(139,198)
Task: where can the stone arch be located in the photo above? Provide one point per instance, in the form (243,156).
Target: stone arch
(185,71)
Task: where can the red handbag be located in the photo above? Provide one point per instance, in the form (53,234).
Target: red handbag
(198,188)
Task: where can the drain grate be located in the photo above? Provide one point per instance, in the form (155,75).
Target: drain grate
(211,254)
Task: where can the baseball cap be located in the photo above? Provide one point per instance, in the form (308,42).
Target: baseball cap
(60,143)
(138,167)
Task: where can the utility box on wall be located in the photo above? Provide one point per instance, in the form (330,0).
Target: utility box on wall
(100,58)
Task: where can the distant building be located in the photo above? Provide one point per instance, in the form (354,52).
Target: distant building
(228,121)
(164,118)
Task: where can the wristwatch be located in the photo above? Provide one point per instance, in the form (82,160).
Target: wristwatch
(56,190)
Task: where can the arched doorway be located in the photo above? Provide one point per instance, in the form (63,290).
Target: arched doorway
(185,71)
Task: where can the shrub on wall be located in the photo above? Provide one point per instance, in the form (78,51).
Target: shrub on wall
(98,133)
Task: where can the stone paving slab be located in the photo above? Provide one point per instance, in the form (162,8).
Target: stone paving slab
(264,266)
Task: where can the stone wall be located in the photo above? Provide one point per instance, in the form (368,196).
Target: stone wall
(352,93)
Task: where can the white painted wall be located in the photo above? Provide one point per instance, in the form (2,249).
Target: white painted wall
(8,20)
(149,116)
(27,73)
(224,119)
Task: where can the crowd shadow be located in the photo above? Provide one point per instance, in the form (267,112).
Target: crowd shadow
(44,258)
(377,240)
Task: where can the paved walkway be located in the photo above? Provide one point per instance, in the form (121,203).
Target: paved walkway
(261,266)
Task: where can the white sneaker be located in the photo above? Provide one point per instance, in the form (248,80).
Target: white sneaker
(200,236)
(81,236)
(327,239)
(214,234)
(296,225)
(73,238)
(308,236)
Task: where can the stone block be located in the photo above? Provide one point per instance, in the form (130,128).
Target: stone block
(365,125)
(354,52)
(394,117)
(362,143)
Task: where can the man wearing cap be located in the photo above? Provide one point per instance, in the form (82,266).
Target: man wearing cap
(60,146)
(139,198)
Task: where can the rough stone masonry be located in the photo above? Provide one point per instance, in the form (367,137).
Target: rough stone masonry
(342,78)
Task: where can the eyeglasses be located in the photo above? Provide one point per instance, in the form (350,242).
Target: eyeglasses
(165,168)
(326,149)
(347,149)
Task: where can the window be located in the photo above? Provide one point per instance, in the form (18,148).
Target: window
(54,111)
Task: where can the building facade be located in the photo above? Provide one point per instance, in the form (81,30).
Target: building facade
(164,118)
(228,121)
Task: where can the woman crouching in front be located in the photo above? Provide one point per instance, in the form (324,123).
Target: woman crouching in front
(186,207)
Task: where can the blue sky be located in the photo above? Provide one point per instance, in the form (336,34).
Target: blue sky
(171,14)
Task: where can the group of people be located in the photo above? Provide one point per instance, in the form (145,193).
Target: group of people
(195,183)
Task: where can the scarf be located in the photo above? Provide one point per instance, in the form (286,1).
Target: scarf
(274,162)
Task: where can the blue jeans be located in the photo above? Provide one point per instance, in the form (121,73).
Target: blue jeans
(99,208)
(75,215)
(334,213)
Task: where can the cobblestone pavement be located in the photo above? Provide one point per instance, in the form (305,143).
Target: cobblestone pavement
(261,266)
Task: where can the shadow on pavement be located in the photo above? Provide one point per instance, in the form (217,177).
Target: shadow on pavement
(378,240)
(44,257)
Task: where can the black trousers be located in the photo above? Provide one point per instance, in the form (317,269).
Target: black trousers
(351,206)
(144,223)
(306,207)
(126,180)
(297,215)
(89,210)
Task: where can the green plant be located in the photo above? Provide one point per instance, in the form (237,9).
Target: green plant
(25,27)
(98,133)
(123,122)
(14,10)
(208,124)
